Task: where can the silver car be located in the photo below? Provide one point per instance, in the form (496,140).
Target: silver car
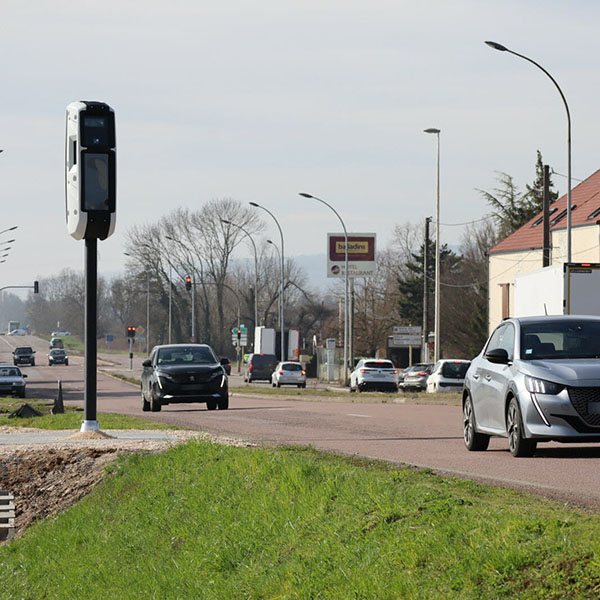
(537,379)
(12,381)
(289,373)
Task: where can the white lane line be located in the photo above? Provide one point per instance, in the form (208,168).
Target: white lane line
(357,415)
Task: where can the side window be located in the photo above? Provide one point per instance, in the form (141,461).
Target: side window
(496,337)
(507,340)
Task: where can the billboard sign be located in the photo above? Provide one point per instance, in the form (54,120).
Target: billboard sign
(361,254)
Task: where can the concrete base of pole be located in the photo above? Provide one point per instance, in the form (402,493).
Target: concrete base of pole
(89,426)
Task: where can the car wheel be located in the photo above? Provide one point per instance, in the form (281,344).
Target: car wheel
(145,403)
(49,364)
(278,384)
(66,363)
(273,384)
(211,405)
(518,445)
(33,363)
(155,404)
(475,442)
(223,401)
(303,386)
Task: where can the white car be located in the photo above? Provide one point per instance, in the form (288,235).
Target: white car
(60,333)
(289,373)
(448,375)
(17,332)
(376,374)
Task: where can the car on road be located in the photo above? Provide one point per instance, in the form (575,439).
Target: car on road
(17,332)
(537,379)
(448,375)
(56,342)
(374,374)
(12,381)
(259,366)
(57,356)
(24,355)
(289,373)
(416,377)
(177,373)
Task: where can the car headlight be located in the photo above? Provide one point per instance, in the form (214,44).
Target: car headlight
(164,375)
(541,386)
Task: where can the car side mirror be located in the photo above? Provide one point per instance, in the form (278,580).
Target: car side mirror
(147,363)
(24,375)
(498,356)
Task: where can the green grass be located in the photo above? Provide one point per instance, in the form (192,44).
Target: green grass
(204,521)
(71,419)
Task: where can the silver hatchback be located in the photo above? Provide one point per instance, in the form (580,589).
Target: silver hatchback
(537,379)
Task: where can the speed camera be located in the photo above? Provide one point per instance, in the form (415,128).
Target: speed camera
(90,170)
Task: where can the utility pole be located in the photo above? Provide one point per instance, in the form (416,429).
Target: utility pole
(425,357)
(546,205)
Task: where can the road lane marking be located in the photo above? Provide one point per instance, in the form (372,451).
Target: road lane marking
(357,415)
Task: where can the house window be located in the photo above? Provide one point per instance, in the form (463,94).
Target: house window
(538,221)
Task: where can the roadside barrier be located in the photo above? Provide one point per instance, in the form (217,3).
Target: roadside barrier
(7,515)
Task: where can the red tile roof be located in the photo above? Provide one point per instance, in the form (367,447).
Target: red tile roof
(585,197)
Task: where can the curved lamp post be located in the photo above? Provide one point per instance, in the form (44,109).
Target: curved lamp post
(255,268)
(281,320)
(436,326)
(346,275)
(502,48)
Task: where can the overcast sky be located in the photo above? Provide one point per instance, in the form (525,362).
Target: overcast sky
(261,100)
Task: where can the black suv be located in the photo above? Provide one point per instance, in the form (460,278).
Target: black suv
(259,366)
(177,373)
(24,355)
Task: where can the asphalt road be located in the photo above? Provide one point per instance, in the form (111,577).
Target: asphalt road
(415,434)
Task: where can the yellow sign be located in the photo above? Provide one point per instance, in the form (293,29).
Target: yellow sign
(353,247)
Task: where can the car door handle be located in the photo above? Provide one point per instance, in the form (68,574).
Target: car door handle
(488,377)
(476,377)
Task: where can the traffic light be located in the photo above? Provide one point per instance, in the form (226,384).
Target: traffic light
(188,283)
(36,287)
(239,333)
(131,331)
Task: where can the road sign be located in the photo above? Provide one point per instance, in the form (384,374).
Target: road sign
(410,330)
(110,337)
(406,340)
(140,330)
(361,254)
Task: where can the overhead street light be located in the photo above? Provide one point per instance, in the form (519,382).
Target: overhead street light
(501,48)
(436,327)
(346,276)
(256,323)
(281,319)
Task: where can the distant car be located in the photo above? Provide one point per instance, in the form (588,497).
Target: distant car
(289,373)
(259,366)
(60,333)
(56,342)
(24,355)
(375,374)
(17,332)
(176,373)
(12,381)
(537,379)
(226,365)
(448,375)
(416,377)
(57,356)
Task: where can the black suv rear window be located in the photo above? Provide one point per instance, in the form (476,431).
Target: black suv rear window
(454,370)
(263,360)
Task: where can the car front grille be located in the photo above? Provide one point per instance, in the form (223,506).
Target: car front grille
(586,401)
(191,378)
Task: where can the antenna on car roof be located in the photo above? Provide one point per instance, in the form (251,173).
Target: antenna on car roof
(545,309)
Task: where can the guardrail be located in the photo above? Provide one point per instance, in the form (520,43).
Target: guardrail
(7,515)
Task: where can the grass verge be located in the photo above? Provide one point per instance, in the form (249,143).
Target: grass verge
(71,419)
(209,521)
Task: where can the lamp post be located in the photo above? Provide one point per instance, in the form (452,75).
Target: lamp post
(255,268)
(281,319)
(9,229)
(436,351)
(346,276)
(502,48)
(192,275)
(278,256)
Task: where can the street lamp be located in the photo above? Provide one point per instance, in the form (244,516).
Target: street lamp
(278,256)
(502,48)
(9,229)
(281,320)
(436,351)
(255,268)
(346,275)
(172,239)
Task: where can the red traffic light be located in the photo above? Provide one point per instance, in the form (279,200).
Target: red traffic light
(131,331)
(188,283)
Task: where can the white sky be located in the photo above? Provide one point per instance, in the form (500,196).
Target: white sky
(261,100)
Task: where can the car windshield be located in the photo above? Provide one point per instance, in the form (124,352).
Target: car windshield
(379,364)
(185,356)
(454,370)
(291,367)
(57,352)
(9,372)
(560,339)
(23,350)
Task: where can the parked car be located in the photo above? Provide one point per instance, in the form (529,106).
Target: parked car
(60,333)
(289,373)
(24,355)
(178,373)
(12,381)
(375,374)
(17,332)
(56,342)
(448,375)
(57,356)
(416,377)
(259,366)
(226,365)
(537,379)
